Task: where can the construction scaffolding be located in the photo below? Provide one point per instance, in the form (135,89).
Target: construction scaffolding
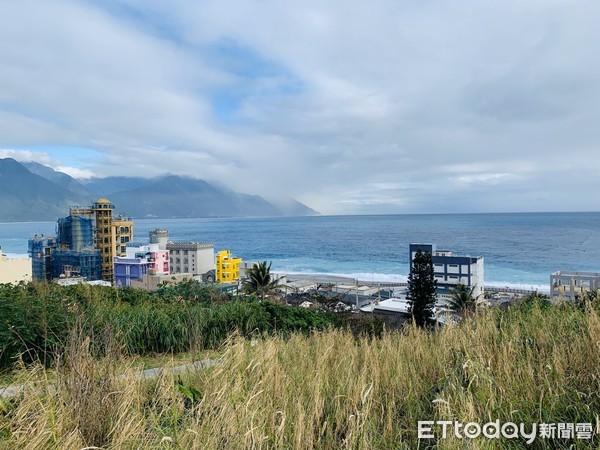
(40,250)
(76,232)
(69,263)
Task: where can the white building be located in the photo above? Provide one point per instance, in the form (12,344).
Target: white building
(569,286)
(195,258)
(14,270)
(450,270)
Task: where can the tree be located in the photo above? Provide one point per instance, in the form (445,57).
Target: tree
(421,289)
(462,300)
(259,281)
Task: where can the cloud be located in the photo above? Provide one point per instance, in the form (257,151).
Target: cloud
(351,107)
(27,156)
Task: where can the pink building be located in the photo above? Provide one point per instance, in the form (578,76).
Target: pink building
(139,261)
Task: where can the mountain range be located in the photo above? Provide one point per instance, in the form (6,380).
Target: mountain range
(30,191)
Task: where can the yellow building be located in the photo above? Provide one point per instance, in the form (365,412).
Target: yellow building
(13,270)
(227,268)
(112,233)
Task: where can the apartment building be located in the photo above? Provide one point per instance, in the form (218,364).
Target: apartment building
(450,270)
(227,267)
(195,258)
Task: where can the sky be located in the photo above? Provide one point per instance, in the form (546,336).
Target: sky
(351,107)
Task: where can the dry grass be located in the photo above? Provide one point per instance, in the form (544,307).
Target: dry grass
(327,390)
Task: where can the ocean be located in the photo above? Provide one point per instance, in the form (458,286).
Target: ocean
(521,250)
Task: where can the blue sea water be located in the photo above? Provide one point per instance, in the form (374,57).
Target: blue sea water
(520,250)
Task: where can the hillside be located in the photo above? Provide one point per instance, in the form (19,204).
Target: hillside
(32,192)
(25,196)
(277,385)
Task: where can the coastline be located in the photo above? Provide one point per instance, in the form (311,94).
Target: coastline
(376,280)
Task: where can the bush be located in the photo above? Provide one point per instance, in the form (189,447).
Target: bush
(36,318)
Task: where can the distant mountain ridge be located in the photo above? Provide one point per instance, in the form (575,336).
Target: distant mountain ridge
(32,191)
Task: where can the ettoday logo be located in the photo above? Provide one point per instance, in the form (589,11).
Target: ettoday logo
(429,429)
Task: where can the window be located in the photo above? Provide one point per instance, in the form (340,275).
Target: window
(453,265)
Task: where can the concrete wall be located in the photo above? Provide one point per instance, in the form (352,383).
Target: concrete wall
(14,270)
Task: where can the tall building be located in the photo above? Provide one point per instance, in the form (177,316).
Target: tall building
(87,242)
(450,270)
(196,258)
(227,267)
(112,233)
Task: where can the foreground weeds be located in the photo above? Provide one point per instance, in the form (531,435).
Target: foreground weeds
(328,390)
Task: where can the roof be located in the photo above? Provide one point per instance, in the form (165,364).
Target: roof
(103,201)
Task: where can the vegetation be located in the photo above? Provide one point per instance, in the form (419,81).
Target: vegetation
(462,300)
(421,289)
(36,319)
(259,280)
(326,390)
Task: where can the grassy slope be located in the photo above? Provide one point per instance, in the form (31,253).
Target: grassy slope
(329,390)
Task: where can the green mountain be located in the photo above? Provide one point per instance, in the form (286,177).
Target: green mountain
(32,191)
(25,196)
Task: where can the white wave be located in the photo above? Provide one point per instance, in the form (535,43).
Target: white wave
(374,278)
(361,276)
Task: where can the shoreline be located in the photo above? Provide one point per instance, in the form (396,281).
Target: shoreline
(401,280)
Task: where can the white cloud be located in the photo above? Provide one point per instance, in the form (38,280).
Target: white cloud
(28,156)
(352,107)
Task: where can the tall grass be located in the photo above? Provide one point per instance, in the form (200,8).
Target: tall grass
(36,319)
(329,390)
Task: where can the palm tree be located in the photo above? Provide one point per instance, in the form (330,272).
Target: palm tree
(462,300)
(259,281)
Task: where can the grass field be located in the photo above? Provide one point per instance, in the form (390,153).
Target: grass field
(326,390)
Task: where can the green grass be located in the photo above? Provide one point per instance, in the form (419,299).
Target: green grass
(37,318)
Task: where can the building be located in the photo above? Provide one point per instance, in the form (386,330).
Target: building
(139,261)
(75,232)
(569,286)
(40,250)
(76,255)
(84,263)
(111,233)
(14,270)
(196,258)
(159,236)
(450,270)
(227,267)
(87,242)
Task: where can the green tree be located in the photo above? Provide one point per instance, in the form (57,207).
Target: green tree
(462,301)
(421,289)
(259,280)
